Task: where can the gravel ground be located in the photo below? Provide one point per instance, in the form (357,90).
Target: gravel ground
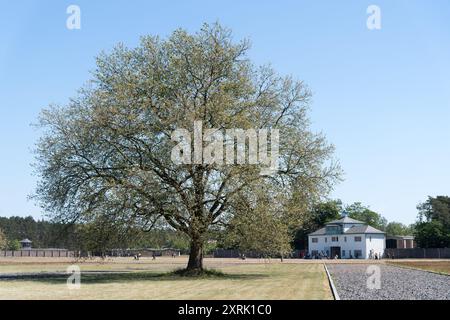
(396,283)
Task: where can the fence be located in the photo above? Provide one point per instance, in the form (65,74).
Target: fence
(234,253)
(44,253)
(145,252)
(418,253)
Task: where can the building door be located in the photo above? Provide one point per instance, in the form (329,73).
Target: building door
(335,251)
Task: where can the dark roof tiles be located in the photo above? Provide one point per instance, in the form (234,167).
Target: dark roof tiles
(345,220)
(358,229)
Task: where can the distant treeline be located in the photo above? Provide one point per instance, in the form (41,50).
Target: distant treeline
(47,234)
(432,230)
(44,234)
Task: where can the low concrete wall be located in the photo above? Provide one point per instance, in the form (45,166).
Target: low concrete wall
(234,253)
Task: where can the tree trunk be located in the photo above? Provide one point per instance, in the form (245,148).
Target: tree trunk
(196,256)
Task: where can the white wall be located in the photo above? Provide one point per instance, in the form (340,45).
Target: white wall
(375,242)
(368,242)
(352,245)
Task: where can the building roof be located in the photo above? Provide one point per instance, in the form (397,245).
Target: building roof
(362,229)
(400,237)
(345,220)
(359,229)
(319,232)
(26,241)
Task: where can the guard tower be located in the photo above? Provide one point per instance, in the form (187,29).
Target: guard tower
(26,244)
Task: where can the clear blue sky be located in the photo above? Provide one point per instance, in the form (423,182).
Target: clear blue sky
(381,96)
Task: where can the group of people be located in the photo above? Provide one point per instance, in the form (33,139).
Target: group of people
(375,255)
(138,256)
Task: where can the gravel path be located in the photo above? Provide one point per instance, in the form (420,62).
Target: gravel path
(396,283)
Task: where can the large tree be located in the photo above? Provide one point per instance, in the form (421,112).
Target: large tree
(399,229)
(433,227)
(360,212)
(108,152)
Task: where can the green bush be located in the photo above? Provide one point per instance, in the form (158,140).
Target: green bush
(14,245)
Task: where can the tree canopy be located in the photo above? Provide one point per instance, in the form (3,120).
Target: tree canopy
(433,226)
(107,154)
(263,228)
(95,237)
(399,229)
(317,216)
(360,212)
(3,240)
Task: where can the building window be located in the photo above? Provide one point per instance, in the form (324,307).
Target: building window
(370,238)
(334,239)
(358,254)
(314,253)
(326,239)
(343,253)
(315,240)
(345,239)
(357,239)
(333,230)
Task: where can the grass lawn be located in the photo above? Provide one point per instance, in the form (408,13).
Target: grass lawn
(147,279)
(441,266)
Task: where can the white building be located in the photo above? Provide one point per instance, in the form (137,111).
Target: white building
(347,238)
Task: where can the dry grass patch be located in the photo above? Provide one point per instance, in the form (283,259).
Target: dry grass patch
(440,266)
(148,279)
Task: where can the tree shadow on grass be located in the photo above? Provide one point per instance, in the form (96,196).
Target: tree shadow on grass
(127,276)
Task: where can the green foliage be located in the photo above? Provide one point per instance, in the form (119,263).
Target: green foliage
(161,238)
(326,211)
(359,212)
(399,229)
(14,245)
(210,246)
(433,226)
(435,209)
(316,218)
(96,237)
(432,234)
(107,154)
(3,240)
(261,226)
(44,234)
